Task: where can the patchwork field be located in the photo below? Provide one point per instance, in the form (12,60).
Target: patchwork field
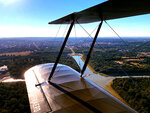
(24,53)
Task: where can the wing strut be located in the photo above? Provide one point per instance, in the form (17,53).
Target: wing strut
(90,51)
(61,50)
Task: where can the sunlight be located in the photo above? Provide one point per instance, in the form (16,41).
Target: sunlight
(7,1)
(13,80)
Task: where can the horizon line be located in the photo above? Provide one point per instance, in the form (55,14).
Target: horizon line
(78,37)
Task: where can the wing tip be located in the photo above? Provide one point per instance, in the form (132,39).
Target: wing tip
(67,19)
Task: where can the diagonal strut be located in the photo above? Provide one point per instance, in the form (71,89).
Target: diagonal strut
(90,51)
(61,50)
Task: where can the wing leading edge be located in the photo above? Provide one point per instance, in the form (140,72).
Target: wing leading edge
(108,10)
(68,93)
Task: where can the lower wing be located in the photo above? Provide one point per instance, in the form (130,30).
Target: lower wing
(68,93)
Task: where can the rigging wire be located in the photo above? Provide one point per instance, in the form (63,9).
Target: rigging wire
(77,48)
(58,30)
(124,40)
(75,33)
(71,88)
(85,30)
(134,49)
(67,55)
(90,37)
(89,34)
(116,33)
(127,52)
(67,60)
(75,36)
(65,30)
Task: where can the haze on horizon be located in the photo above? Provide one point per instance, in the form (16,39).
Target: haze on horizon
(26,18)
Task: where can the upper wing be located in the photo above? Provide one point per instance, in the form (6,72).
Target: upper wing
(111,9)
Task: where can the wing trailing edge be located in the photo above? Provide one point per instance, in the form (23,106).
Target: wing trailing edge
(112,9)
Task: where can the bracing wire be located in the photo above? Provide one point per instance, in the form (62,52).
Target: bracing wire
(66,44)
(65,30)
(58,30)
(116,33)
(89,34)
(75,33)
(97,93)
(127,52)
(134,49)
(77,48)
(124,43)
(67,56)
(75,36)
(85,30)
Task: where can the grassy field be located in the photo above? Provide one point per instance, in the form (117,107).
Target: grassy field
(24,53)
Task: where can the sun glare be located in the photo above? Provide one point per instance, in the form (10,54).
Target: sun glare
(7,1)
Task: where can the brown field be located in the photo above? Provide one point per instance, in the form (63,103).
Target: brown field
(139,59)
(132,59)
(76,54)
(119,62)
(24,53)
(144,54)
(4,75)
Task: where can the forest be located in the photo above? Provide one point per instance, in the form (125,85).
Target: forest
(131,60)
(135,91)
(110,56)
(18,65)
(14,98)
(119,59)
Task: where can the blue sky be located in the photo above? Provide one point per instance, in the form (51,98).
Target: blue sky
(29,18)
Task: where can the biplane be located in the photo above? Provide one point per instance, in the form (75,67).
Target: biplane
(57,88)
